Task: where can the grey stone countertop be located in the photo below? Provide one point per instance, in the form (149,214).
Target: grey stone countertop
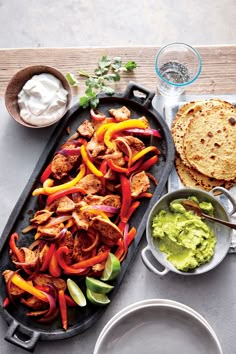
(213,294)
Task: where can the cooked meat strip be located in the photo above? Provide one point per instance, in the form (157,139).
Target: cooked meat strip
(41,216)
(65,205)
(86,129)
(109,232)
(145,120)
(51,231)
(81,241)
(135,144)
(82,220)
(43,253)
(110,200)
(62,165)
(120,114)
(15,291)
(34,303)
(91,184)
(45,279)
(94,147)
(139,183)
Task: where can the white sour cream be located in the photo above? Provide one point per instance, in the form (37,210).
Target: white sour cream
(42,100)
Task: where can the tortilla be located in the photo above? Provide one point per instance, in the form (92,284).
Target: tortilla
(184,116)
(209,142)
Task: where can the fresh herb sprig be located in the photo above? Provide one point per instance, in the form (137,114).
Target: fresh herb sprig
(107,71)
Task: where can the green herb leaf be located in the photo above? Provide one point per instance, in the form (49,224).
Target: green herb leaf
(84,101)
(72,79)
(112,77)
(130,65)
(108,90)
(117,64)
(83,73)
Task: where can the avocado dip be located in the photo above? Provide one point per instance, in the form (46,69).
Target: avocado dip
(184,237)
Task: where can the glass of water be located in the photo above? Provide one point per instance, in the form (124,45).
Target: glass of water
(177,66)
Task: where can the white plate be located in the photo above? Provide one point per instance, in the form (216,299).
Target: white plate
(157,326)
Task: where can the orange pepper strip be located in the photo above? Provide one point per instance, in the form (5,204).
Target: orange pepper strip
(54,268)
(128,124)
(47,186)
(22,284)
(63,309)
(144,152)
(102,130)
(89,163)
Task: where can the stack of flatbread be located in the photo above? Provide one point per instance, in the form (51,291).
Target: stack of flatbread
(204,133)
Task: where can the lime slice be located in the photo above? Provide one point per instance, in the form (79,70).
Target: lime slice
(97,299)
(98,286)
(112,268)
(76,293)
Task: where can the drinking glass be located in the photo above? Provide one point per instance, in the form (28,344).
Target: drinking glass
(177,66)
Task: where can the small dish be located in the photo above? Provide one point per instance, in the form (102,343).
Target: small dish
(18,81)
(148,325)
(223,233)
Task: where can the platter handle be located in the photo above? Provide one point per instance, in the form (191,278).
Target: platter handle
(21,336)
(149,265)
(139,93)
(228,195)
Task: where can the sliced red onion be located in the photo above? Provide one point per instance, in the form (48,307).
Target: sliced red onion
(70,151)
(96,115)
(59,220)
(146,132)
(52,305)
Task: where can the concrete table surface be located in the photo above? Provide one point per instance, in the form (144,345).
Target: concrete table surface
(213,294)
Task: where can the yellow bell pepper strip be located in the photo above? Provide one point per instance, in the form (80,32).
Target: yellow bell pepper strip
(102,130)
(49,189)
(144,152)
(95,211)
(132,123)
(64,192)
(63,309)
(126,198)
(89,163)
(22,284)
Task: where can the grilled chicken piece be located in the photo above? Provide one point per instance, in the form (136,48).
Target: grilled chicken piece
(41,216)
(109,232)
(120,114)
(81,219)
(139,183)
(15,291)
(110,200)
(65,205)
(86,129)
(45,279)
(34,303)
(135,144)
(51,231)
(94,147)
(81,241)
(91,184)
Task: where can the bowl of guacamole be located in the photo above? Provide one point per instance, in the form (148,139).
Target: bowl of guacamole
(182,241)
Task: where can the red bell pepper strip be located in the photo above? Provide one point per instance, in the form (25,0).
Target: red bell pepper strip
(48,257)
(144,195)
(60,253)
(6,302)
(54,268)
(100,257)
(133,207)
(148,163)
(64,192)
(103,169)
(22,284)
(126,198)
(69,301)
(152,178)
(63,309)
(20,257)
(116,167)
(46,173)
(120,253)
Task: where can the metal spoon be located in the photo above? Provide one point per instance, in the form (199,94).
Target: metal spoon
(191,205)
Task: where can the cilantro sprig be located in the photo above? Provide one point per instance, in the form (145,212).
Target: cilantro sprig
(107,72)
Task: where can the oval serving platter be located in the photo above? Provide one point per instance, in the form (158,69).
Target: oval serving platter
(82,318)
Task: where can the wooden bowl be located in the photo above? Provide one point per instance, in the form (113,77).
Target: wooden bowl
(17,82)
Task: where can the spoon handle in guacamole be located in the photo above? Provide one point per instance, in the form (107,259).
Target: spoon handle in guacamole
(226,223)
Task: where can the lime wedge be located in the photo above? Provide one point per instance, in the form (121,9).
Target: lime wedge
(97,299)
(98,286)
(112,268)
(76,293)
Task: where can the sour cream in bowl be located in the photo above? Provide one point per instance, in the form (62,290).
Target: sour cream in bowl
(38,96)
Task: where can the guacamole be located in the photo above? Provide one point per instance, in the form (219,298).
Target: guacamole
(183,236)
